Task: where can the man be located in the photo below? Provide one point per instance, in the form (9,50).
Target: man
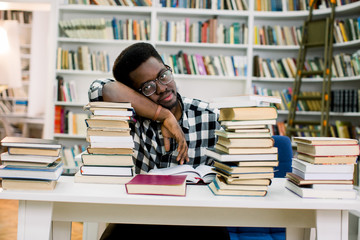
(169,129)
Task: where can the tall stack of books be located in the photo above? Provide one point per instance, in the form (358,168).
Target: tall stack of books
(244,155)
(109,156)
(30,163)
(323,168)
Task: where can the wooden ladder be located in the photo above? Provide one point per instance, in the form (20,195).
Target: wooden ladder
(316,33)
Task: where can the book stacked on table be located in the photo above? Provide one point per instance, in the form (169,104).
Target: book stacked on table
(244,154)
(109,156)
(324,167)
(30,163)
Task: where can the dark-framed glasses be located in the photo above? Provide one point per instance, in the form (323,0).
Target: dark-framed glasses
(165,77)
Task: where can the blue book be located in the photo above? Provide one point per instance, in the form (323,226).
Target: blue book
(270,68)
(115,28)
(23,172)
(224,190)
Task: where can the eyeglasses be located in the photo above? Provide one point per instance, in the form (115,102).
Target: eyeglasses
(165,77)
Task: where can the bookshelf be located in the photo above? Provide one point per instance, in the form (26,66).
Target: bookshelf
(15,101)
(339,83)
(191,85)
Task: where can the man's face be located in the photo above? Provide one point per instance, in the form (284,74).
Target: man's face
(165,95)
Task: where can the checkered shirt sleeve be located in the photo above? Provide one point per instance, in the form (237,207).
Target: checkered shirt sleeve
(96,88)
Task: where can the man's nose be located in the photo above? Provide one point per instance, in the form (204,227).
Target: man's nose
(160,87)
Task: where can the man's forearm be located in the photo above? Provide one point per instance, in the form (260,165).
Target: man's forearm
(144,107)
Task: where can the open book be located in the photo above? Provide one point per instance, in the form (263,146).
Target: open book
(202,173)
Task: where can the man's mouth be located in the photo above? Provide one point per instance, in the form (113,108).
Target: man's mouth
(168,98)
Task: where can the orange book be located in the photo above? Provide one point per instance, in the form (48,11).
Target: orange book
(136,30)
(57,119)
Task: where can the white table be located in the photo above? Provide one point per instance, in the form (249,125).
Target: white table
(49,213)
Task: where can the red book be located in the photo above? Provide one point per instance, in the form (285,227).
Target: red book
(151,184)
(187,65)
(57,119)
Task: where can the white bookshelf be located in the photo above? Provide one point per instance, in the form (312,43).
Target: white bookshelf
(203,87)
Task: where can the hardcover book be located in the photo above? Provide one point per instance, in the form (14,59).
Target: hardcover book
(22,142)
(328,150)
(108,122)
(92,150)
(107,159)
(27,184)
(29,173)
(244,135)
(327,159)
(107,171)
(300,181)
(102,104)
(249,175)
(323,176)
(34,151)
(233,168)
(149,184)
(247,113)
(222,184)
(237,150)
(246,142)
(325,140)
(79,178)
(216,190)
(224,157)
(5,156)
(247,123)
(328,168)
(306,192)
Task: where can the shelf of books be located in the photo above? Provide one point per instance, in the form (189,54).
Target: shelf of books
(274,69)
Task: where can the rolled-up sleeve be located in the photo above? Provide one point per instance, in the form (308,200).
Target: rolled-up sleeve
(96,89)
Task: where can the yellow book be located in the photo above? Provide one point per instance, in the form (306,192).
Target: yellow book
(343,31)
(247,113)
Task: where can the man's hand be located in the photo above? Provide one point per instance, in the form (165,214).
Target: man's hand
(171,129)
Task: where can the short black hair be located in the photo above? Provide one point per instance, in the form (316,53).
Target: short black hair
(130,59)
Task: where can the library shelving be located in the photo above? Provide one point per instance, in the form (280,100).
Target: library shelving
(152,23)
(342,84)
(14,101)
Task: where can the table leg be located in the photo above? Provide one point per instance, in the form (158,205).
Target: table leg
(61,230)
(298,234)
(93,230)
(331,224)
(34,220)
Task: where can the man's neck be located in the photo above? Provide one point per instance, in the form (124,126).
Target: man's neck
(177,110)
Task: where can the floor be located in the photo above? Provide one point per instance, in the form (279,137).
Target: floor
(8,222)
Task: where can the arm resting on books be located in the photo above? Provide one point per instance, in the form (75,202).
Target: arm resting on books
(144,107)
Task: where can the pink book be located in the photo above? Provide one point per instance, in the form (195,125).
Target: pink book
(151,184)
(201,65)
(187,29)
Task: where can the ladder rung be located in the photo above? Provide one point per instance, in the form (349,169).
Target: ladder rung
(307,73)
(309,97)
(303,122)
(303,130)
(311,45)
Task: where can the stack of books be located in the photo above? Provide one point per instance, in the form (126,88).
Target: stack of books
(244,153)
(323,168)
(109,156)
(30,163)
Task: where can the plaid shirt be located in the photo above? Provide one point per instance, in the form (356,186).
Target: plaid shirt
(198,123)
